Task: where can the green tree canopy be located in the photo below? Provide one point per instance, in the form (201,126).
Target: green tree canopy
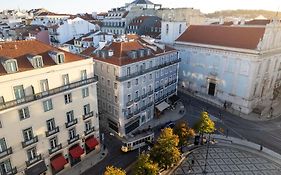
(111,170)
(165,151)
(145,166)
(205,124)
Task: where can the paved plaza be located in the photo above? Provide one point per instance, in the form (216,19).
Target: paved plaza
(224,160)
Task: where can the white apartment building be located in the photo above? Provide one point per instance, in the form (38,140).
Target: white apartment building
(49,19)
(238,66)
(135,75)
(48,109)
(69,29)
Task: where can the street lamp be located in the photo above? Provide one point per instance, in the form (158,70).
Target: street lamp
(206,158)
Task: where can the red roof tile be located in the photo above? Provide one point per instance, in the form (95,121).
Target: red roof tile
(88,51)
(19,50)
(258,22)
(120,52)
(228,36)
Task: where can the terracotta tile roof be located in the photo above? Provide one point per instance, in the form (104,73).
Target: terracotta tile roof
(90,39)
(228,36)
(258,22)
(120,52)
(19,50)
(132,36)
(52,14)
(125,14)
(89,51)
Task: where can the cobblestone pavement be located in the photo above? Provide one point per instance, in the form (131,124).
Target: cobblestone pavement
(224,160)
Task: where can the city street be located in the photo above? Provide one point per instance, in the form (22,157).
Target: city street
(260,132)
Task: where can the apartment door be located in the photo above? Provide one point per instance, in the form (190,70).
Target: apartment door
(212,88)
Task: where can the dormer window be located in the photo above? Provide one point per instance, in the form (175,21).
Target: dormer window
(36,61)
(60,58)
(10,65)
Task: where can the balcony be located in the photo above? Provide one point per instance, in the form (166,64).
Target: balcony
(29,142)
(170,83)
(89,115)
(45,94)
(89,131)
(55,149)
(74,139)
(12,171)
(137,99)
(130,103)
(143,108)
(34,160)
(52,132)
(158,89)
(136,112)
(71,123)
(149,104)
(6,152)
(150,93)
(144,96)
(139,73)
(130,115)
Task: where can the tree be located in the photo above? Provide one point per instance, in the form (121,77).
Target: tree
(145,165)
(184,132)
(165,151)
(111,170)
(205,124)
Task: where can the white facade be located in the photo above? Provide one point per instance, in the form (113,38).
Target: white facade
(69,29)
(128,94)
(244,79)
(36,115)
(49,20)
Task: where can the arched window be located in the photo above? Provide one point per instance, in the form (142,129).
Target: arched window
(167,28)
(180,29)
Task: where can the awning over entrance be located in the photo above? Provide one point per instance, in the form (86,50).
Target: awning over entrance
(58,163)
(76,151)
(162,106)
(39,168)
(174,99)
(92,142)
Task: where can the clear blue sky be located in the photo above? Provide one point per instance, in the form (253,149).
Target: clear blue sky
(76,6)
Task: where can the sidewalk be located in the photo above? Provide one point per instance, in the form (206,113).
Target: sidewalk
(252,116)
(88,162)
(169,115)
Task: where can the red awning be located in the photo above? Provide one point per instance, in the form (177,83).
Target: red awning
(92,142)
(76,151)
(58,163)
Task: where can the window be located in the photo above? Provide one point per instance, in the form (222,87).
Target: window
(88,125)
(5,167)
(47,105)
(83,75)
(65,79)
(85,92)
(180,28)
(19,92)
(37,62)
(115,99)
(137,94)
(31,153)
(128,71)
(11,66)
(60,58)
(23,113)
(129,97)
(129,84)
(108,83)
(87,109)
(44,85)
(137,81)
(150,76)
(53,142)
(167,28)
(115,85)
(67,98)
(70,116)
(72,133)
(3,146)
(51,124)
(27,134)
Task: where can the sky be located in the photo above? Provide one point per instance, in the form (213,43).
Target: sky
(82,6)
